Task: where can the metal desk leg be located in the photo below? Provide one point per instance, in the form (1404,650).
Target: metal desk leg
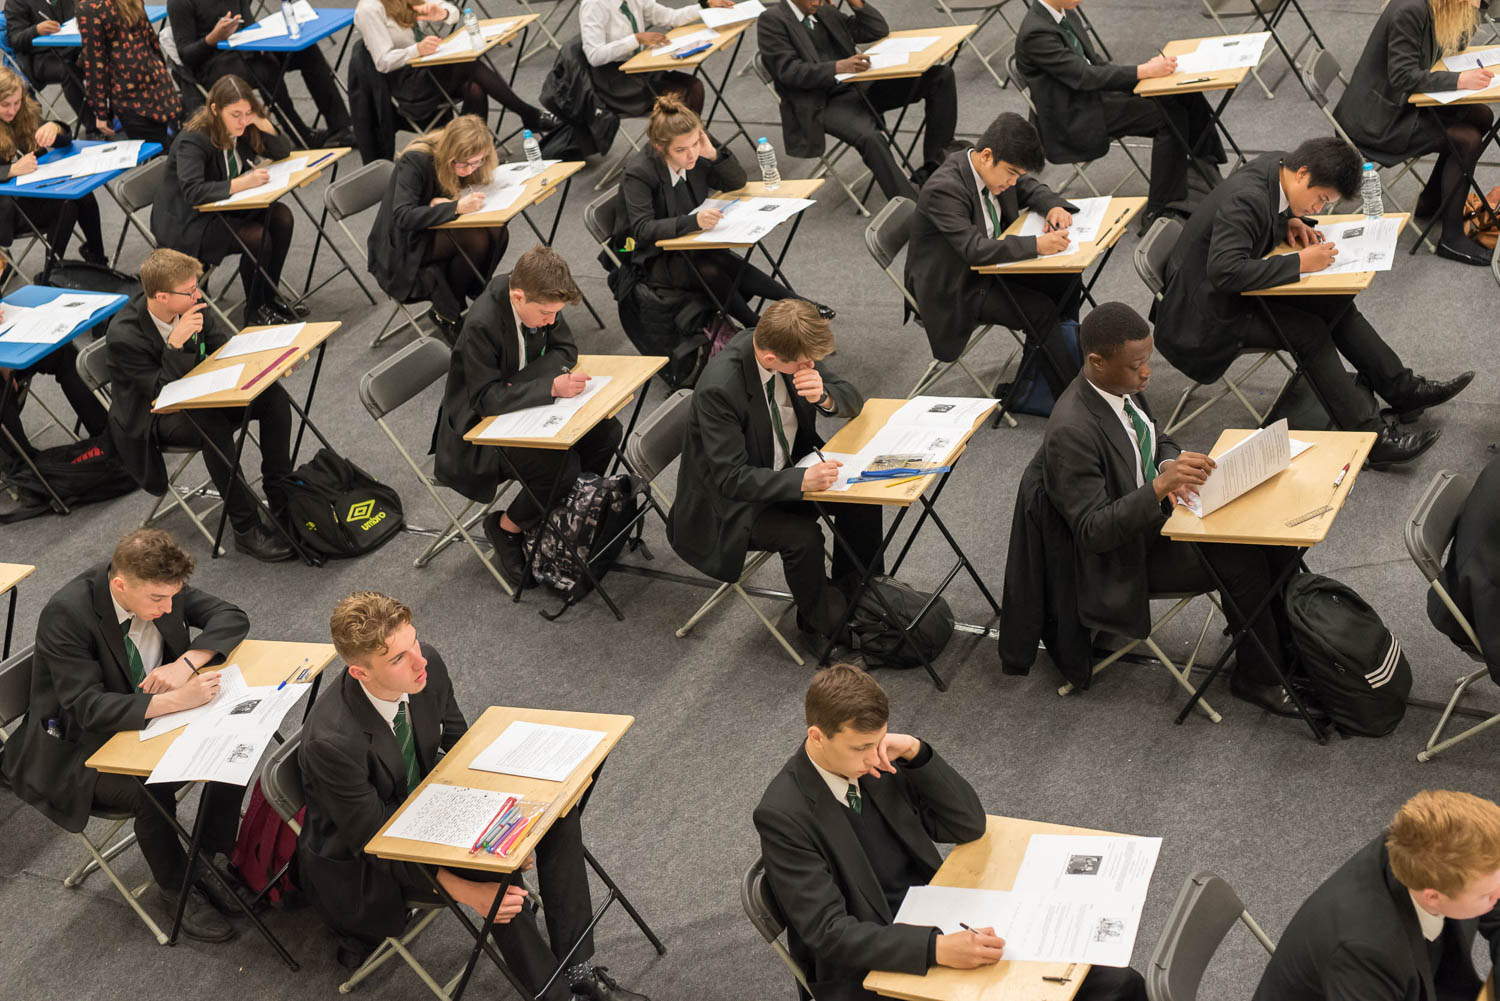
(10,622)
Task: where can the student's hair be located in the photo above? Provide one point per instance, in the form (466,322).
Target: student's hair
(164,268)
(1330,163)
(1109,326)
(133,11)
(1443,840)
(18,137)
(544,276)
(401,12)
(228,89)
(1013,139)
(149,554)
(670,118)
(1453,23)
(362,624)
(793,329)
(844,695)
(464,138)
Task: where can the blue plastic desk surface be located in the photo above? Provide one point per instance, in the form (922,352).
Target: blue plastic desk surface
(329,21)
(72,187)
(23,355)
(154,13)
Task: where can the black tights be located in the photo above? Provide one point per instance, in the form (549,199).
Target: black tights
(467,258)
(1465,127)
(270,246)
(480,82)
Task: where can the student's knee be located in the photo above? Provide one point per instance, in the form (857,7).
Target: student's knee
(940,80)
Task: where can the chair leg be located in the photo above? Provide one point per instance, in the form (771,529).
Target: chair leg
(1434,748)
(88,865)
(449,535)
(1182,679)
(131,898)
(703,609)
(393,946)
(770,626)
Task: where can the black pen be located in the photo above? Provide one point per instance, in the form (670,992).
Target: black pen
(966,927)
(1196,79)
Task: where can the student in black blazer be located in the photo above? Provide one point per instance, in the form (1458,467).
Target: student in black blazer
(365,746)
(438,178)
(1110,473)
(1203,321)
(1409,36)
(805,44)
(1397,921)
(211,159)
(664,182)
(25,20)
(754,414)
(113,650)
(1083,101)
(963,208)
(1471,576)
(516,351)
(159,336)
(847,827)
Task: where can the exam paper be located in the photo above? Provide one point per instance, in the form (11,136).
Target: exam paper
(1363,245)
(546,420)
(88,160)
(1087,223)
(1226,53)
(68,27)
(273,25)
(1467,61)
(879,61)
(750,220)
(194,386)
(51,322)
(262,340)
(951,907)
(281,176)
(908,44)
(501,193)
(538,751)
(448,815)
(691,40)
(1246,465)
(1087,865)
(850,466)
(459,40)
(1298,447)
(953,412)
(227,746)
(515,173)
(746,10)
(231,688)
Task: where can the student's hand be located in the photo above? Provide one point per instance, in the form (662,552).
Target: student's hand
(430,12)
(25,165)
(706,147)
(709,218)
(481,896)
(188,324)
(196,691)
(264,124)
(808,383)
(894,746)
(1183,475)
(471,201)
(1156,66)
(569,384)
(48,28)
(857,63)
(1317,257)
(223,28)
(1053,242)
(1059,218)
(651,38)
(103,126)
(820,476)
(428,45)
(1300,234)
(1475,79)
(167,677)
(966,950)
(250,179)
(47,134)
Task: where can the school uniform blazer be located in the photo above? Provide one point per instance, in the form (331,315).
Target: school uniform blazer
(401,236)
(485,378)
(196,174)
(1202,320)
(838,922)
(948,238)
(1357,936)
(647,184)
(353,779)
(802,78)
(1393,66)
(1088,469)
(1066,87)
(140,364)
(725,477)
(21,19)
(191,22)
(1472,574)
(80,675)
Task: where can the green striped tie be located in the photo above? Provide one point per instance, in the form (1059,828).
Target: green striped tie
(989,204)
(1143,441)
(408,747)
(137,669)
(786,451)
(635,26)
(852,796)
(1072,36)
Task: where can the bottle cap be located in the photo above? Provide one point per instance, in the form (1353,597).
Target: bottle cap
(525,133)
(760,140)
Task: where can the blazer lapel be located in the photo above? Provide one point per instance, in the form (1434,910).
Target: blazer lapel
(174,632)
(382,738)
(761,453)
(1109,421)
(112,634)
(801,40)
(1407,914)
(426,728)
(848,854)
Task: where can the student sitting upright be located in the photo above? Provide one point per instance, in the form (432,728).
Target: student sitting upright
(963,208)
(805,45)
(1082,102)
(1409,36)
(516,351)
(113,650)
(365,746)
(1204,321)
(613,32)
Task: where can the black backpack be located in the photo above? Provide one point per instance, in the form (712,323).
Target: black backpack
(1350,658)
(876,638)
(336,509)
(596,513)
(82,472)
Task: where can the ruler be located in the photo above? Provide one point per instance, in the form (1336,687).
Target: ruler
(1309,516)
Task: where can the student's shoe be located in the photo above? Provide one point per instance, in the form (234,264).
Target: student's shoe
(299,310)
(1395,446)
(446,329)
(921,174)
(220,900)
(262,545)
(600,986)
(1465,251)
(93,254)
(351,955)
(826,312)
(1425,393)
(510,552)
(547,122)
(199,919)
(1272,698)
(270,314)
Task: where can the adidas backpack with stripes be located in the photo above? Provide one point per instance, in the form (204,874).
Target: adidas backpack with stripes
(1348,655)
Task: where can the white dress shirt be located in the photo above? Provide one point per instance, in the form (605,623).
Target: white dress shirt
(390,45)
(144,634)
(1057,15)
(387,710)
(788,417)
(676,175)
(607,34)
(1431,924)
(1117,403)
(165,329)
(838,785)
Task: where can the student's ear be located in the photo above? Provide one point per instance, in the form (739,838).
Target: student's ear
(816,735)
(358,673)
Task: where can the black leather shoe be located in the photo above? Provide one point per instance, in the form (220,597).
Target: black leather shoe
(826,312)
(1465,251)
(547,122)
(1272,698)
(1426,393)
(600,986)
(510,552)
(352,956)
(199,919)
(219,898)
(296,309)
(263,545)
(271,314)
(446,329)
(1395,446)
(921,174)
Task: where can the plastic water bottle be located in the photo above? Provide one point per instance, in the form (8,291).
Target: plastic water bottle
(1369,190)
(533,152)
(767,157)
(471,25)
(289,15)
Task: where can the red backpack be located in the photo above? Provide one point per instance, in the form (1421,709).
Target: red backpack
(265,849)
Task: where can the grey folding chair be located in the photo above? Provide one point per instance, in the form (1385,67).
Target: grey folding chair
(987,11)
(352,195)
(760,907)
(828,161)
(1206,909)
(392,384)
(599,218)
(654,445)
(1222,11)
(634,141)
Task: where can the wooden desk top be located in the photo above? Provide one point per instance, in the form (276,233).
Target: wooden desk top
(517,24)
(1176,83)
(1121,211)
(305,176)
(990,863)
(311,336)
(453,769)
(12,574)
(1321,284)
(644,62)
(854,435)
(1490,95)
(262,662)
(628,374)
(950,37)
(1487,992)
(1261,515)
(539,188)
(803,188)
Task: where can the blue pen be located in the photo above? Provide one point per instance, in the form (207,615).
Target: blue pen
(693,52)
(318,161)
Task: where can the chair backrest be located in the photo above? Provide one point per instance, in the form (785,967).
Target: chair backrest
(762,73)
(1321,70)
(137,188)
(760,907)
(93,366)
(601,215)
(1151,253)
(1430,528)
(657,441)
(888,232)
(15,686)
(361,190)
(281,779)
(1007,53)
(1206,908)
(403,375)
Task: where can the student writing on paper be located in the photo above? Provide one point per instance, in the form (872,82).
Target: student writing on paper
(1113,476)
(365,747)
(28,20)
(121,643)
(1203,321)
(847,827)
(161,335)
(211,159)
(125,75)
(517,351)
(614,30)
(1409,36)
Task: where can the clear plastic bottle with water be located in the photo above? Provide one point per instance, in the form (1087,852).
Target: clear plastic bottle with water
(289,15)
(471,25)
(767,157)
(1369,190)
(533,152)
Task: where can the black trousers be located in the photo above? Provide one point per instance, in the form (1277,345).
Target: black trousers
(938,90)
(153,833)
(1129,115)
(61,67)
(62,366)
(272,409)
(1320,328)
(793,529)
(264,70)
(847,117)
(545,470)
(732,280)
(133,126)
(1040,298)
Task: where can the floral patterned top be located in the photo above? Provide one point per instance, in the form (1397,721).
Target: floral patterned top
(123,66)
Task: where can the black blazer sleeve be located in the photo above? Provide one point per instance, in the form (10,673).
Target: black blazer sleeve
(410,209)
(221,626)
(273,145)
(1048,52)
(725,173)
(21,19)
(721,424)
(783,60)
(864,25)
(192,41)
(640,191)
(346,798)
(948,211)
(1406,52)
(1032,194)
(948,805)
(496,385)
(1240,230)
(1078,486)
(65,640)
(194,149)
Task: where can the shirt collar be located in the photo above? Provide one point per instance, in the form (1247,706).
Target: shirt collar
(1281,203)
(984,190)
(165,329)
(387,710)
(837,784)
(797,12)
(121,615)
(1431,924)
(676,175)
(1115,402)
(765,373)
(1057,15)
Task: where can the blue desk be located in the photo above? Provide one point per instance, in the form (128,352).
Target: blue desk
(329,21)
(155,13)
